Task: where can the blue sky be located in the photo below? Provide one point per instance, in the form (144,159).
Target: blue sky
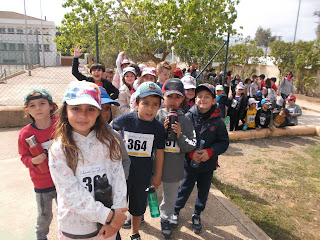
(278,15)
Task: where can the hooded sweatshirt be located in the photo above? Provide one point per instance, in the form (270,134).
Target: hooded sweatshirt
(211,129)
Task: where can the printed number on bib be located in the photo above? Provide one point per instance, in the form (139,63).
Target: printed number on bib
(172,146)
(262,120)
(251,118)
(139,144)
(87,176)
(234,103)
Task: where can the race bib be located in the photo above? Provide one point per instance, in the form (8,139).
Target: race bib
(46,145)
(262,120)
(172,146)
(234,103)
(138,144)
(251,118)
(87,176)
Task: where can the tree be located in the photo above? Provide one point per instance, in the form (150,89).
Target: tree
(317,13)
(145,27)
(302,58)
(263,37)
(244,55)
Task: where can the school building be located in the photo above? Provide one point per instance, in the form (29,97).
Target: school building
(27,42)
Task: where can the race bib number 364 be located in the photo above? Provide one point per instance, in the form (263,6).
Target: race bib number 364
(138,144)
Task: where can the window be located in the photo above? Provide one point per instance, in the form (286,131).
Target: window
(46,47)
(3,46)
(19,31)
(45,31)
(12,46)
(20,46)
(30,31)
(11,30)
(2,30)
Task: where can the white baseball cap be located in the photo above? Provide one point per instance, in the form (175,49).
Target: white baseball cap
(219,87)
(189,82)
(252,100)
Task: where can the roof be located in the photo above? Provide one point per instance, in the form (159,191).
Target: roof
(14,15)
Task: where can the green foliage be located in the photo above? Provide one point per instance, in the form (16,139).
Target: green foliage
(302,58)
(317,13)
(147,27)
(263,37)
(244,54)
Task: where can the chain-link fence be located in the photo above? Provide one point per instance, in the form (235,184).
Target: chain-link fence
(29,59)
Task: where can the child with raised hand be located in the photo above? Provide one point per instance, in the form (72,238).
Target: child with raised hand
(148,75)
(209,127)
(38,105)
(163,70)
(122,62)
(83,151)
(126,90)
(294,110)
(97,74)
(264,116)
(175,150)
(189,84)
(145,141)
(251,114)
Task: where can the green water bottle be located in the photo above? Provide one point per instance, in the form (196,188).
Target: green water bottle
(227,120)
(153,202)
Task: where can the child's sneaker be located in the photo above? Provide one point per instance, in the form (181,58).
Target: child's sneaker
(127,223)
(135,236)
(174,221)
(166,229)
(196,224)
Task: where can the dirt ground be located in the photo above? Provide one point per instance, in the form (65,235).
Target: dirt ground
(253,168)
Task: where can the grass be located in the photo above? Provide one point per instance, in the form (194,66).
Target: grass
(285,203)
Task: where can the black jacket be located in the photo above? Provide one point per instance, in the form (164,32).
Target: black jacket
(213,131)
(111,90)
(240,108)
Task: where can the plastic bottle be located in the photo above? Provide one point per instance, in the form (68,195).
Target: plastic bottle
(173,117)
(103,193)
(245,127)
(153,202)
(227,120)
(195,164)
(35,150)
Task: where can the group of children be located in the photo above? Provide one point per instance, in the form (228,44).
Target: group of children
(257,104)
(133,153)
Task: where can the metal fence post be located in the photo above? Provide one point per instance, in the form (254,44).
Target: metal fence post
(226,61)
(97,44)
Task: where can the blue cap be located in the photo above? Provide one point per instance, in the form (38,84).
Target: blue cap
(105,98)
(266,101)
(148,88)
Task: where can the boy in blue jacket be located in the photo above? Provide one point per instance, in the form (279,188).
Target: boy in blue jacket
(209,127)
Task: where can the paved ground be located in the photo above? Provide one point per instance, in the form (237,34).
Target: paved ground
(221,219)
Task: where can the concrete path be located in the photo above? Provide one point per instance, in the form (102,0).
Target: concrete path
(221,219)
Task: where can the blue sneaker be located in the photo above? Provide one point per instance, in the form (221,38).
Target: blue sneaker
(166,229)
(196,224)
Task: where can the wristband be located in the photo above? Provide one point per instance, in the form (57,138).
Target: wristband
(112,217)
